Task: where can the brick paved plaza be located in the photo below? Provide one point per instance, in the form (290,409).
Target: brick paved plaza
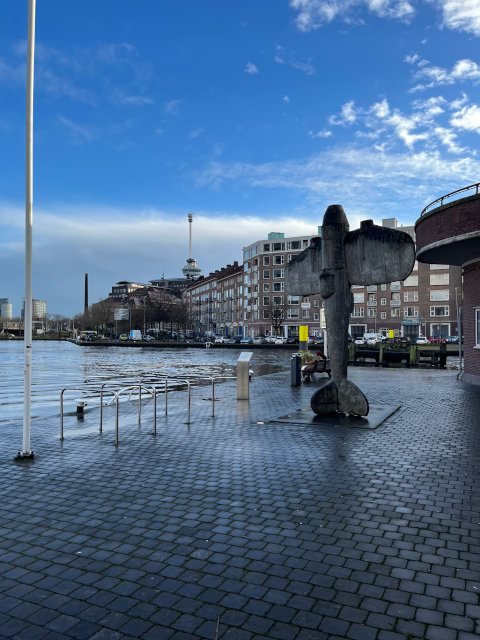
(231,529)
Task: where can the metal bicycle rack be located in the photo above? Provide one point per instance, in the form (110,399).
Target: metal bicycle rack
(160,383)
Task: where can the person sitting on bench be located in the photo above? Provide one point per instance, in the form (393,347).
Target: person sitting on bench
(318,365)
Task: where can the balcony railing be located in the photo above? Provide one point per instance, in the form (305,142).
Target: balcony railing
(439,201)
(395,303)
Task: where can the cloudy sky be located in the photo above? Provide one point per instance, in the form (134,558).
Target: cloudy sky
(255,115)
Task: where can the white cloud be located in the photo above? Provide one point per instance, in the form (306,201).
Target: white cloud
(126,244)
(461,15)
(348,115)
(251,68)
(313,14)
(80,133)
(324,133)
(137,100)
(171,107)
(434,76)
(286,99)
(467,118)
(196,133)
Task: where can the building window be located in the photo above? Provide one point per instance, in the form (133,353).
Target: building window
(278,273)
(266,301)
(411,281)
(266,247)
(409,312)
(437,295)
(266,314)
(293,300)
(358,298)
(444,310)
(371,313)
(358,312)
(292,313)
(383,301)
(266,260)
(395,286)
(315,303)
(315,316)
(395,313)
(410,296)
(372,287)
(439,266)
(278,246)
(277,300)
(383,315)
(278,286)
(439,278)
(277,259)
(266,274)
(383,287)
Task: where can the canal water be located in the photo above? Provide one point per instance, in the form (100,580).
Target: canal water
(58,365)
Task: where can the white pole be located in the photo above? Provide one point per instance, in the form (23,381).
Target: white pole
(27,329)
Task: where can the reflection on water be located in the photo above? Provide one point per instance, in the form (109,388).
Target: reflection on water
(58,365)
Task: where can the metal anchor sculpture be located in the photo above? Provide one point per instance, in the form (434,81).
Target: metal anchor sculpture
(329,266)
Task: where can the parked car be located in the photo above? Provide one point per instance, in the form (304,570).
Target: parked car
(260,340)
(123,337)
(422,340)
(219,340)
(292,340)
(246,341)
(451,340)
(148,338)
(434,340)
(359,341)
(235,339)
(280,340)
(404,340)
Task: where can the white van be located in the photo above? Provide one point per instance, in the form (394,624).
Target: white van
(135,334)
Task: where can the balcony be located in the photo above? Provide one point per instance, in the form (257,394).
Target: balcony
(395,303)
(371,303)
(449,232)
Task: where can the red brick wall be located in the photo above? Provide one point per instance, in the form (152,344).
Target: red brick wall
(471,299)
(462,216)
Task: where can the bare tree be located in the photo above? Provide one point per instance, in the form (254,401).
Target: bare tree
(278,315)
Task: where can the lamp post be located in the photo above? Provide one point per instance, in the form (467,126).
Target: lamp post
(26,452)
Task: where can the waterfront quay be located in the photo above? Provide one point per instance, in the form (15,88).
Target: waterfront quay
(249,526)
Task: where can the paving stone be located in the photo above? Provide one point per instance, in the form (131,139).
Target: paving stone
(303,532)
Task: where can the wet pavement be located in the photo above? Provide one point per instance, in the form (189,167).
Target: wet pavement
(242,527)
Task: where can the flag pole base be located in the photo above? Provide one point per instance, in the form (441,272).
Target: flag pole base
(25,455)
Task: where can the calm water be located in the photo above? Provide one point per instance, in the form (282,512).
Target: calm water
(57,365)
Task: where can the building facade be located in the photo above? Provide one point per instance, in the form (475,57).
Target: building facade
(39,309)
(424,304)
(448,231)
(6,311)
(269,309)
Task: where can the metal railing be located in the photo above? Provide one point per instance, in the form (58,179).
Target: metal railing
(153,389)
(439,201)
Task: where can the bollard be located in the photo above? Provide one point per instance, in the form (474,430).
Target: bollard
(81,404)
(295,370)
(243,387)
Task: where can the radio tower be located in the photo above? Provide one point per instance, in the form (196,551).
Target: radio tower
(191,269)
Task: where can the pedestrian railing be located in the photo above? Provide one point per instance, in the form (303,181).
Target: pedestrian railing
(153,388)
(439,201)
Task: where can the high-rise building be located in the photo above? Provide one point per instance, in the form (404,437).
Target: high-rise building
(5,308)
(39,309)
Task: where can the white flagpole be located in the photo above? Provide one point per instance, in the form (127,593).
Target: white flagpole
(27,330)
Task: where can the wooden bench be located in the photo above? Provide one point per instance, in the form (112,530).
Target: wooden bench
(319,366)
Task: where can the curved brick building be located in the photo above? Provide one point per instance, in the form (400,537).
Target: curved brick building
(448,232)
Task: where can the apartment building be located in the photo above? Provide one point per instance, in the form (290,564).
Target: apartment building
(39,309)
(424,304)
(268,307)
(216,302)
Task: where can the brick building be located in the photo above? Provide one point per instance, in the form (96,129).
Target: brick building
(424,304)
(264,262)
(448,231)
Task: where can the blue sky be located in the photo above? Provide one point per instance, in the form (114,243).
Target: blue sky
(253,114)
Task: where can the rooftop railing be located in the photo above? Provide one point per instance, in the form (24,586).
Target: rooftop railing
(439,201)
